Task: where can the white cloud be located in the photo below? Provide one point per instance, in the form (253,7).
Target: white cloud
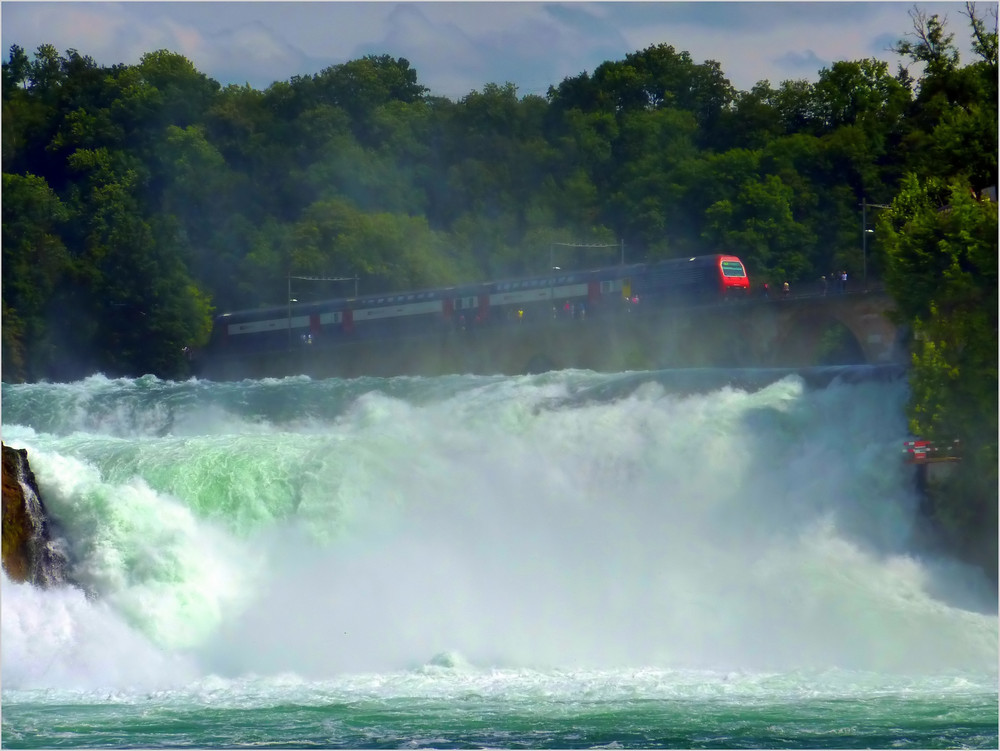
(459,46)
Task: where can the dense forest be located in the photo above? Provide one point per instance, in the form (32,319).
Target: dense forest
(139,200)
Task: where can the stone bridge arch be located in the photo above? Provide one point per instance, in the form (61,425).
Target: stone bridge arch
(807,329)
(816,336)
(803,331)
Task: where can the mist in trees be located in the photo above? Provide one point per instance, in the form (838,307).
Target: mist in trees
(140,200)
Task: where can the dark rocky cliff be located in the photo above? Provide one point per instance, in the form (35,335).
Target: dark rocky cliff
(29,554)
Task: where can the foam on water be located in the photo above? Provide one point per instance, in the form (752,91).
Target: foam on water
(438,528)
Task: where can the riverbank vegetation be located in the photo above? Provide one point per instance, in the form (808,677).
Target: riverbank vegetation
(940,254)
(138,200)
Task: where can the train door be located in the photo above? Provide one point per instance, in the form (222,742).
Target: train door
(347,324)
(593,292)
(447,309)
(484,308)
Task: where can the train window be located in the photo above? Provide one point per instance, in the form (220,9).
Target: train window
(733,268)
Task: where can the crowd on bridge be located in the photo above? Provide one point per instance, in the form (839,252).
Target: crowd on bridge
(839,281)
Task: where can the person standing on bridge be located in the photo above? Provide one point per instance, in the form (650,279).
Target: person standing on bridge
(843,281)
(822,285)
(785,291)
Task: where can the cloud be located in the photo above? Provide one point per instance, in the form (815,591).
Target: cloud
(456,47)
(250,54)
(434,45)
(806,63)
(462,46)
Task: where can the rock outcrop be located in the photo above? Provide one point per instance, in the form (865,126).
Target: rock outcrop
(28,551)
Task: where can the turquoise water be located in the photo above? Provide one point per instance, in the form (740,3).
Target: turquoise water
(703,559)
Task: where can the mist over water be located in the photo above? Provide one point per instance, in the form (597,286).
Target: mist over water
(570,521)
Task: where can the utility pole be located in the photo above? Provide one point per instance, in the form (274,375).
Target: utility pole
(552,258)
(864,235)
(291,299)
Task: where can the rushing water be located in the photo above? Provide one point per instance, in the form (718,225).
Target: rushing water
(697,559)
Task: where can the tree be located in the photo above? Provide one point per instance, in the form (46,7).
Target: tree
(142,308)
(35,262)
(859,93)
(183,93)
(953,126)
(359,86)
(657,77)
(386,251)
(942,246)
(649,148)
(931,44)
(760,227)
(753,120)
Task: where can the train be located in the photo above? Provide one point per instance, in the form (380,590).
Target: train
(632,288)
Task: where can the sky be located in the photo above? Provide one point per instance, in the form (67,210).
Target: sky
(459,47)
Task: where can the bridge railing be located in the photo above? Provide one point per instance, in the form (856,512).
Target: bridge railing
(818,289)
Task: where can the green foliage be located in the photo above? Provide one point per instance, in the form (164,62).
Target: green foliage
(942,244)
(155,195)
(388,251)
(35,262)
(942,247)
(860,92)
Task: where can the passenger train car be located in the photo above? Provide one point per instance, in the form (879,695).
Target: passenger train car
(595,292)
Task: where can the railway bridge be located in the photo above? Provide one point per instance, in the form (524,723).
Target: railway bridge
(847,328)
(794,332)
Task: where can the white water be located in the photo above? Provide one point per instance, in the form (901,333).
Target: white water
(490,524)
